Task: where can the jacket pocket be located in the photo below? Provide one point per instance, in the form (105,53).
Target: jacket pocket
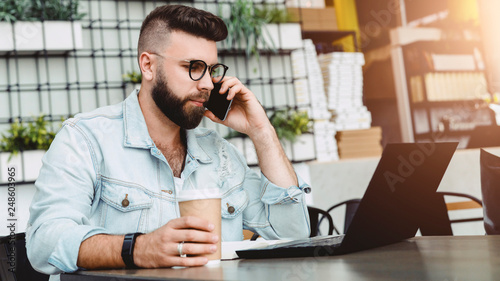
(125,198)
(234,203)
(127,207)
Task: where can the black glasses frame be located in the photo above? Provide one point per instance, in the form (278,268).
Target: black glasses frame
(207,66)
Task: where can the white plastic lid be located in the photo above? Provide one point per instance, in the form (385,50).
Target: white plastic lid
(197,194)
(213,263)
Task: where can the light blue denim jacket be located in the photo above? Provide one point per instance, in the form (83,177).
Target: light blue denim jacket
(100,158)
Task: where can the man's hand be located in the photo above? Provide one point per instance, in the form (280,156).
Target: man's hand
(247,115)
(155,249)
(159,248)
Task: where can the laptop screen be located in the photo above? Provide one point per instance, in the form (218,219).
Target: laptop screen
(400,196)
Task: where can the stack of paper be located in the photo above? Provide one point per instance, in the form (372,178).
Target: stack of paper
(444,86)
(360,143)
(343,79)
(355,118)
(308,81)
(310,92)
(326,144)
(444,62)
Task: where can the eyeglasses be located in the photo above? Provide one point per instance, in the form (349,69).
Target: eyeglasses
(197,69)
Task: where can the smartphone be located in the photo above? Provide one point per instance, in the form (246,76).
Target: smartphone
(218,103)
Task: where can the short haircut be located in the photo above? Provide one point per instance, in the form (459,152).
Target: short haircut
(158,25)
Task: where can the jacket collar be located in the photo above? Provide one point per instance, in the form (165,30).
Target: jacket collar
(194,149)
(135,130)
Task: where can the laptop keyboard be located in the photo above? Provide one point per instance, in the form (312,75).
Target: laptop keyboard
(310,247)
(327,240)
(330,240)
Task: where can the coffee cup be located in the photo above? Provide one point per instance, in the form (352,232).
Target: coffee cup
(205,204)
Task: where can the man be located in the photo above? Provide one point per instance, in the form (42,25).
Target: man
(115,171)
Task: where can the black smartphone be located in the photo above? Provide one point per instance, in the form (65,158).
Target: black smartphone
(218,103)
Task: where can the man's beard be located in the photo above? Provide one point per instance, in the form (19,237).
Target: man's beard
(174,107)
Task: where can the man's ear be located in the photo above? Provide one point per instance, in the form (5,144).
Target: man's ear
(147,65)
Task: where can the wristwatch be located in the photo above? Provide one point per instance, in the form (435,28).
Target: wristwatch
(128,249)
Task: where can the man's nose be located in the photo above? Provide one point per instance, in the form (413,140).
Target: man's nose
(206,83)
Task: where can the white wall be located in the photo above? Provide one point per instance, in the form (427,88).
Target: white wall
(24,194)
(490,27)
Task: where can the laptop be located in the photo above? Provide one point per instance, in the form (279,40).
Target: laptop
(400,198)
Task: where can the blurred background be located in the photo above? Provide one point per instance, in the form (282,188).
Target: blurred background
(339,79)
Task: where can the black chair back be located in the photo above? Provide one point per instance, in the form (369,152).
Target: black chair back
(18,260)
(490,187)
(314,217)
(351,206)
(435,219)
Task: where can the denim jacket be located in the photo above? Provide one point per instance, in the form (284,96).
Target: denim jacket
(100,158)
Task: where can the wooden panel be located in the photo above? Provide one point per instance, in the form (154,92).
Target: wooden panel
(462,205)
(247,234)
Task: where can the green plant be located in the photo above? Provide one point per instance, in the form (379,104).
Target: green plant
(11,10)
(31,136)
(289,124)
(273,14)
(35,10)
(244,25)
(132,77)
(57,10)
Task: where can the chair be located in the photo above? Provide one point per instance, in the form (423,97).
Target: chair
(490,188)
(314,217)
(472,203)
(23,268)
(435,218)
(351,206)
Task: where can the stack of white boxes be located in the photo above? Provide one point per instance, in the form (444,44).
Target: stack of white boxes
(324,139)
(310,93)
(343,78)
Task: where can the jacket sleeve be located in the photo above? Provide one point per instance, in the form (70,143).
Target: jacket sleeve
(275,212)
(62,203)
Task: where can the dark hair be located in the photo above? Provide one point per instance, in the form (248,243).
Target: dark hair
(164,19)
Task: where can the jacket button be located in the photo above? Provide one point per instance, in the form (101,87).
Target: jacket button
(125,201)
(230,209)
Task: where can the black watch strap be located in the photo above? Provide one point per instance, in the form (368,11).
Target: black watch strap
(128,249)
